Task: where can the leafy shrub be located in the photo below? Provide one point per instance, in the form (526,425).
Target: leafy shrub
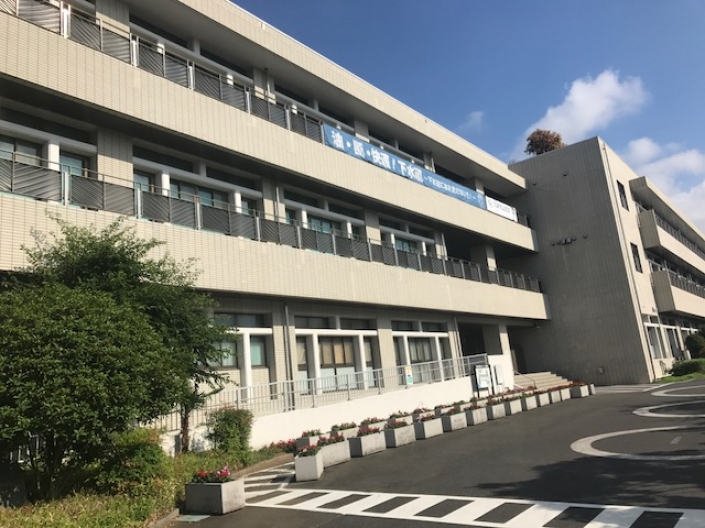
(134,461)
(695,343)
(681,368)
(229,430)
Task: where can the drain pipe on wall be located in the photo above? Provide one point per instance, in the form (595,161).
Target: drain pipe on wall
(287,346)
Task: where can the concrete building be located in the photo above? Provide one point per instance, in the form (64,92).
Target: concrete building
(623,269)
(358,247)
(345,235)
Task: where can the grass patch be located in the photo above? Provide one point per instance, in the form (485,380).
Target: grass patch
(687,377)
(138,510)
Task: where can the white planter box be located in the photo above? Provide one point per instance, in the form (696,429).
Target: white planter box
(565,394)
(453,422)
(399,436)
(592,389)
(345,433)
(335,453)
(408,420)
(512,407)
(543,399)
(306,441)
(366,445)
(308,468)
(428,429)
(215,499)
(496,411)
(583,391)
(528,403)
(555,396)
(476,416)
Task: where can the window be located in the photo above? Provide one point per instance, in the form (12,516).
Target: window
(242,320)
(312,322)
(403,326)
(24,151)
(357,324)
(420,350)
(323,225)
(73,165)
(433,327)
(300,198)
(637,259)
(162,159)
(336,351)
(187,191)
(401,244)
(623,196)
(144,181)
(233,352)
(342,210)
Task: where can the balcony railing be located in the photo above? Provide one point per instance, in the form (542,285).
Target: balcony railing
(285,396)
(153,57)
(686,285)
(34,178)
(678,235)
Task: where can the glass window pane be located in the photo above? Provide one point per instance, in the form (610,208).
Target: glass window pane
(368,350)
(225,319)
(301,352)
(73,165)
(144,182)
(7,147)
(230,356)
(258,349)
(29,153)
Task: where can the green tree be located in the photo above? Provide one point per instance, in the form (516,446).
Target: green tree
(542,141)
(75,367)
(695,343)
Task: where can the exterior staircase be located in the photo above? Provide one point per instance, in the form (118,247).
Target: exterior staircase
(540,380)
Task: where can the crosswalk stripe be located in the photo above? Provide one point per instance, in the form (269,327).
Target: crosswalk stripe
(691,519)
(616,517)
(538,515)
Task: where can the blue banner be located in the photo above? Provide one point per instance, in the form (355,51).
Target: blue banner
(353,146)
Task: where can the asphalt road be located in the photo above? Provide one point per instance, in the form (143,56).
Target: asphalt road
(529,457)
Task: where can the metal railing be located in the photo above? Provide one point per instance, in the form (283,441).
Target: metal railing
(678,235)
(155,58)
(34,178)
(286,396)
(685,284)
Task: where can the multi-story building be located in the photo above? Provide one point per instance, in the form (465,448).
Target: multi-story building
(624,269)
(358,247)
(344,235)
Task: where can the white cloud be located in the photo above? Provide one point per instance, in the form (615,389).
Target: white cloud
(590,105)
(679,173)
(473,122)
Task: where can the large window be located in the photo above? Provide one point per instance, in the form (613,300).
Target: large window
(623,196)
(73,164)
(24,151)
(187,191)
(144,181)
(337,363)
(323,225)
(637,258)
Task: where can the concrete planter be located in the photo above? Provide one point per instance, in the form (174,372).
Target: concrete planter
(306,441)
(335,453)
(345,433)
(453,422)
(582,391)
(543,399)
(512,407)
(399,436)
(366,445)
(555,396)
(375,425)
(565,394)
(440,411)
(476,416)
(496,411)
(408,420)
(215,499)
(528,403)
(592,389)
(428,429)
(308,468)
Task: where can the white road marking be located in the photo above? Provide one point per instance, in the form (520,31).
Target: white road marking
(647,411)
(676,440)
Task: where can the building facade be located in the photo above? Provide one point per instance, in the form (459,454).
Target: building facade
(354,244)
(343,234)
(622,267)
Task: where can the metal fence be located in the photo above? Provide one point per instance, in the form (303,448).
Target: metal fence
(685,284)
(155,58)
(92,191)
(286,396)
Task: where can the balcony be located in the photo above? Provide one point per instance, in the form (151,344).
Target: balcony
(193,72)
(676,294)
(662,238)
(272,256)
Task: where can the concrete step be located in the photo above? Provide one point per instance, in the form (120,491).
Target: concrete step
(540,380)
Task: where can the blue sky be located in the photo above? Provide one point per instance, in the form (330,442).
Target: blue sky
(630,71)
